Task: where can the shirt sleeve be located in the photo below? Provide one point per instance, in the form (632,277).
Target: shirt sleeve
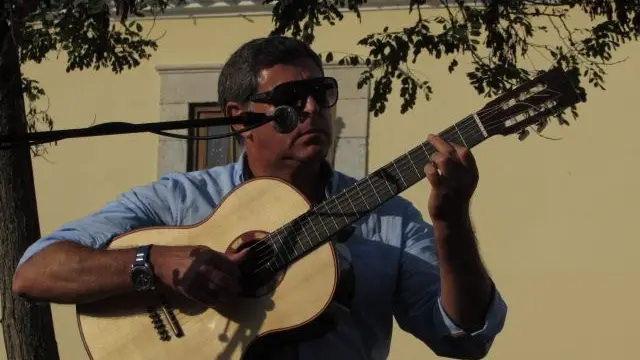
(417,307)
(150,205)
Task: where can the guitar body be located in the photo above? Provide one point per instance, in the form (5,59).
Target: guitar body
(124,328)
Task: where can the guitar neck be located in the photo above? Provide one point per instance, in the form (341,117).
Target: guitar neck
(320,223)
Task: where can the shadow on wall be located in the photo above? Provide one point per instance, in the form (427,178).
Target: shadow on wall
(338,126)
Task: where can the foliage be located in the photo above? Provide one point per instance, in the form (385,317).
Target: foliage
(85,33)
(496,36)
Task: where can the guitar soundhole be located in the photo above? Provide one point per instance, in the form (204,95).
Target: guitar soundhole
(258,279)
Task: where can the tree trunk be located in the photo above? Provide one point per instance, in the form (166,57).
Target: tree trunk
(28,329)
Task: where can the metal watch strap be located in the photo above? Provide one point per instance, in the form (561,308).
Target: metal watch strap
(142,275)
(142,256)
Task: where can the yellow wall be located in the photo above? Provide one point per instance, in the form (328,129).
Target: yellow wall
(554,218)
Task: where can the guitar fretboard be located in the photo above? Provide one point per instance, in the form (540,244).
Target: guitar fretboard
(320,223)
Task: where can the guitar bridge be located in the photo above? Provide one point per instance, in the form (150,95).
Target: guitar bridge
(156,315)
(171,319)
(158,324)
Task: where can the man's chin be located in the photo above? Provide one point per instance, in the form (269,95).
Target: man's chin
(311,153)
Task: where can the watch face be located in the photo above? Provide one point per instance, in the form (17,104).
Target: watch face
(142,279)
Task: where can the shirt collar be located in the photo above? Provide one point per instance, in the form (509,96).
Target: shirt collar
(241,174)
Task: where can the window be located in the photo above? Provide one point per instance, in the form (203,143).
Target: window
(203,154)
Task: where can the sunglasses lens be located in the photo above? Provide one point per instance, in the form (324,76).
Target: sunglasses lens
(323,90)
(326,92)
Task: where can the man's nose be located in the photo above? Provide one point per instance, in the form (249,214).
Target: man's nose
(311,106)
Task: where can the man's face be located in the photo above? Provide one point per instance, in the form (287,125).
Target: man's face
(311,139)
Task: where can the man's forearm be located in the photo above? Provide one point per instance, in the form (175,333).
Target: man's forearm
(66,272)
(466,287)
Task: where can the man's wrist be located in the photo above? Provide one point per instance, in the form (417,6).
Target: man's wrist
(455,241)
(454,221)
(454,216)
(158,260)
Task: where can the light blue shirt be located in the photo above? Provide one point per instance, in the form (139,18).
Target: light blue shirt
(391,256)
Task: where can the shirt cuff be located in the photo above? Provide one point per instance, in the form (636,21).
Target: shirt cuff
(494,319)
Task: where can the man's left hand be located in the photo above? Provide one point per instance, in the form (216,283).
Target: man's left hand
(453,175)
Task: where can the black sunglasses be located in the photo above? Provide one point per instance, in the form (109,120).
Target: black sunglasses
(324,91)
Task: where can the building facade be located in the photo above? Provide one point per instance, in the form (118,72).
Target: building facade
(554,219)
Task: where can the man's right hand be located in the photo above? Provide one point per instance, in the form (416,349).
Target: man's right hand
(198,272)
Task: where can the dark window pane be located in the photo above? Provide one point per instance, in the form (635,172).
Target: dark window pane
(214,152)
(218,150)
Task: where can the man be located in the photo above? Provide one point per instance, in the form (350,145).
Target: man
(430,278)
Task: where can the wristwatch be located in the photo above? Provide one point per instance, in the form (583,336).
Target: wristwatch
(142,274)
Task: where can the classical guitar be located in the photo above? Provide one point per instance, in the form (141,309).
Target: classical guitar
(290,275)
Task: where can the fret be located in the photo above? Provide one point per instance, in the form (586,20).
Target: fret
(460,135)
(306,235)
(418,173)
(281,250)
(472,131)
(373,188)
(480,126)
(351,203)
(338,212)
(344,215)
(451,136)
(395,167)
(428,152)
(315,231)
(293,236)
(386,182)
(466,133)
(320,223)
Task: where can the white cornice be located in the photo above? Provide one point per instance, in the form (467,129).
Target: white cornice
(256,7)
(208,68)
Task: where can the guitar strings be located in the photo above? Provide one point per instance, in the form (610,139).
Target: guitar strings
(404,163)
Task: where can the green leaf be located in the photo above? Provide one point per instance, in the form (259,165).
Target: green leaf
(329,57)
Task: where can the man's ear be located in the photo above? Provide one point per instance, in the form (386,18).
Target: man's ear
(234,109)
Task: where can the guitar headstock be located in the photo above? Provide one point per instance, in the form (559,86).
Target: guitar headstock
(545,95)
